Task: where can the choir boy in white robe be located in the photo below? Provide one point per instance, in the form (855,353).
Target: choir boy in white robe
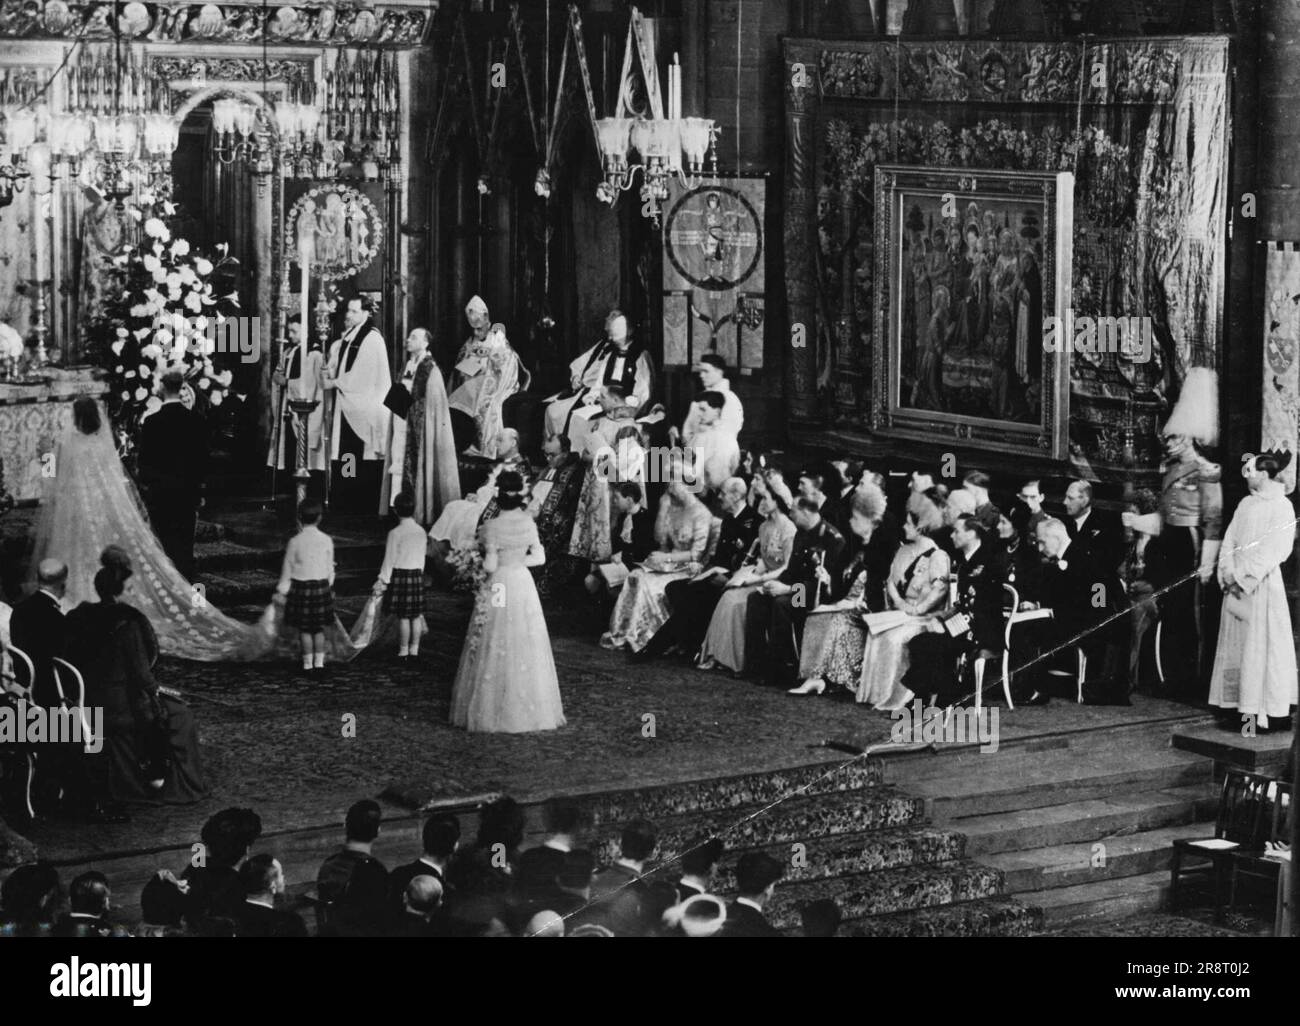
(358,377)
(716,452)
(619,360)
(712,372)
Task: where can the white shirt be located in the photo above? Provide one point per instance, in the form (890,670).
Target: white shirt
(717,455)
(751,903)
(405,549)
(730,420)
(309,556)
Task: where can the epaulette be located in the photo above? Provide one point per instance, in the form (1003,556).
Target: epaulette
(1210,472)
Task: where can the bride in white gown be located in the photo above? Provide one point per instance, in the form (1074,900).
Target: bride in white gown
(90,503)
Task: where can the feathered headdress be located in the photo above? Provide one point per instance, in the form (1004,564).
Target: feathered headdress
(1196,414)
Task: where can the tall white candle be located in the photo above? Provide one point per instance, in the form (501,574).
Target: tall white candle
(304,263)
(41,226)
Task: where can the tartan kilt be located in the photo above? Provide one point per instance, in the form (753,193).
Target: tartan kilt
(310,606)
(404,596)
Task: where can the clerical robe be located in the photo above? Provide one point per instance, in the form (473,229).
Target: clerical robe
(490,372)
(1255,664)
(603,364)
(422,454)
(303,372)
(359,423)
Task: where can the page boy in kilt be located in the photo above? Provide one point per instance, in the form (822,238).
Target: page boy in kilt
(307,585)
(401,577)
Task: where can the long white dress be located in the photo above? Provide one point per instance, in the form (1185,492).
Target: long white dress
(506,682)
(1255,664)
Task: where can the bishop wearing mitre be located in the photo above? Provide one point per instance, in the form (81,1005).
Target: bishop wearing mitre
(618,360)
(422,454)
(357,375)
(299,377)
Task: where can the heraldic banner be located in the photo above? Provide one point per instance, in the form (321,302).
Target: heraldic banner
(1281,344)
(713,278)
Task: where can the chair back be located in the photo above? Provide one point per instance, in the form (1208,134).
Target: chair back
(69,681)
(23,677)
(1242,805)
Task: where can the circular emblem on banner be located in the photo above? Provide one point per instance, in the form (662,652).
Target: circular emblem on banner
(337,227)
(714,238)
(1281,353)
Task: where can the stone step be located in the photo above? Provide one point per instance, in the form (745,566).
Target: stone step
(1109,858)
(241,588)
(1075,822)
(890,890)
(992,787)
(987,917)
(1264,753)
(804,821)
(1099,901)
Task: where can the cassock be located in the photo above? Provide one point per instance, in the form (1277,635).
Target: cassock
(422,455)
(603,364)
(730,420)
(359,425)
(303,372)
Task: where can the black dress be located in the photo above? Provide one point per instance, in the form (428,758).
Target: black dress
(115,648)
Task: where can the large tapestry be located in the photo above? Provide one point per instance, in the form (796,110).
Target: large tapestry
(1281,385)
(1141,123)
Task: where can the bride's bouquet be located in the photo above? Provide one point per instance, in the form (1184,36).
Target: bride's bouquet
(169,314)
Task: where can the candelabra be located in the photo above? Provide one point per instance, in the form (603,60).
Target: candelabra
(668,147)
(40,327)
(302,409)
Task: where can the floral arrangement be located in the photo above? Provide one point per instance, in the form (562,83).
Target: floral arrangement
(12,347)
(467,566)
(172,301)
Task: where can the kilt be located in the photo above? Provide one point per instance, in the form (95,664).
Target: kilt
(310,606)
(405,594)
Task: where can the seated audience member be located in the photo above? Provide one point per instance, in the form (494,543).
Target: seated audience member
(440,838)
(1097,535)
(544,924)
(163,906)
(212,880)
(38,627)
(564,820)
(775,615)
(701,915)
(421,903)
(1027,509)
(89,901)
(632,539)
(554,505)
(716,454)
(262,878)
(917,586)
(151,743)
(920,482)
(973,629)
(724,640)
(698,864)
(536,882)
(835,635)
(487,867)
(958,503)
(573,884)
(622,900)
(352,884)
(692,601)
(818,483)
(29,901)
(613,453)
(756,878)
(682,533)
(1084,595)
(820,918)
(977,483)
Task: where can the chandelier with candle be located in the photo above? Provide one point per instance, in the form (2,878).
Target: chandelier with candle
(668,147)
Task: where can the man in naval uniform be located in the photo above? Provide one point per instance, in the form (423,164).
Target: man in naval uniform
(358,376)
(619,360)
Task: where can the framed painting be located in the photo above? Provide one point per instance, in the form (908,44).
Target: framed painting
(972,274)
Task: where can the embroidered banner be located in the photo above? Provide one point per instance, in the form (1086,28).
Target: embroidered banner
(1281,343)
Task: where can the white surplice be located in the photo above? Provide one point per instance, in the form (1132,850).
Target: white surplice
(360,392)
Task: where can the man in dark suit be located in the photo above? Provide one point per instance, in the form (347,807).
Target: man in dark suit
(173,460)
(441,838)
(263,878)
(89,899)
(775,614)
(756,878)
(692,601)
(698,864)
(38,627)
(622,899)
(1097,535)
(352,884)
(975,627)
(1083,595)
(421,910)
(632,525)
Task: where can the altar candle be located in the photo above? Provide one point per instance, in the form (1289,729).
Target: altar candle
(41,227)
(304,263)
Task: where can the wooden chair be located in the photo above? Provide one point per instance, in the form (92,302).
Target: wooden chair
(1258,864)
(1242,804)
(1010,610)
(66,677)
(24,671)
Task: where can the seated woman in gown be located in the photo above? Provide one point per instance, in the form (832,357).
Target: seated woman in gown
(917,587)
(612,453)
(151,745)
(724,643)
(506,681)
(835,635)
(682,533)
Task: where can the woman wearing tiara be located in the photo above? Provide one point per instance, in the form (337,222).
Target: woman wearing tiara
(1254,664)
(506,682)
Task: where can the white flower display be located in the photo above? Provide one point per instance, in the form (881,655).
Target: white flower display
(141,394)
(203,267)
(215,398)
(154,228)
(180,248)
(151,263)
